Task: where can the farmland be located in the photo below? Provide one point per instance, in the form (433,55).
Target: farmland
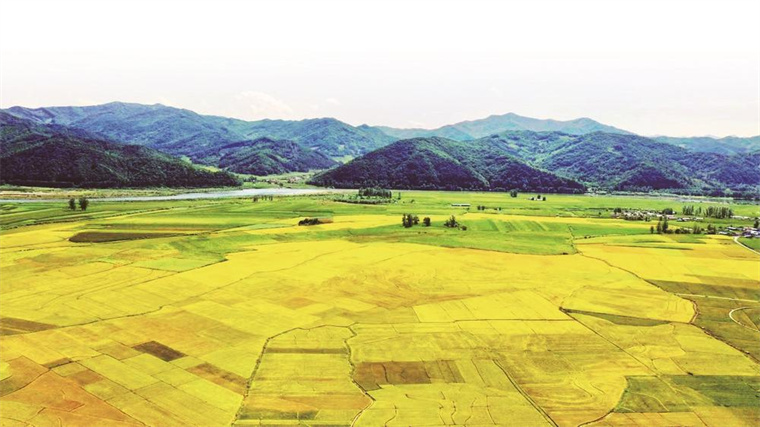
(226,312)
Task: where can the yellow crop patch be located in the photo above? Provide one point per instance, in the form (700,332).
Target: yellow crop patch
(242,317)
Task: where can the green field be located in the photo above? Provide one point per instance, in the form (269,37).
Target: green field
(226,312)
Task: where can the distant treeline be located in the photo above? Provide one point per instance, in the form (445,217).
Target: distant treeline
(375,192)
(719,212)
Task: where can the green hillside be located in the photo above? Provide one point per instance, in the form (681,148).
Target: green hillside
(182,132)
(52,156)
(265,156)
(439,163)
(631,162)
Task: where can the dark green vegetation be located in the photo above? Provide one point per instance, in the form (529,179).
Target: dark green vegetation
(314,221)
(409,220)
(266,156)
(368,196)
(631,163)
(509,160)
(185,133)
(102,237)
(439,163)
(55,156)
(681,393)
(475,129)
(706,144)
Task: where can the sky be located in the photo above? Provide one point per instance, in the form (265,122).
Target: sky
(668,67)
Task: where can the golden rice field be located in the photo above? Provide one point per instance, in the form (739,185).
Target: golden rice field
(219,313)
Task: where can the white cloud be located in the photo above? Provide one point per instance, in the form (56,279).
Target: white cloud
(252,105)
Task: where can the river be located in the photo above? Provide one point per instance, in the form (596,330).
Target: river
(248,192)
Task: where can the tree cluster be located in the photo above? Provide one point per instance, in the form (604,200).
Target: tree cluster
(375,192)
(83,203)
(409,220)
(451,222)
(721,212)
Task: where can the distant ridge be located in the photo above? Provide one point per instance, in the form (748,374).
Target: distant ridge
(708,144)
(183,132)
(474,129)
(56,156)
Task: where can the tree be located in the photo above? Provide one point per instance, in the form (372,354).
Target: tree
(513,193)
(651,229)
(451,222)
(659,226)
(83,203)
(72,204)
(543,199)
(426,221)
(664,224)
(408,220)
(757,223)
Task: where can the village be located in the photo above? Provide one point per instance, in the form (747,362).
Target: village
(667,215)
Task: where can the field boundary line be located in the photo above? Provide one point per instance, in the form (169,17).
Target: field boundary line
(736,240)
(353,371)
(525,395)
(731,316)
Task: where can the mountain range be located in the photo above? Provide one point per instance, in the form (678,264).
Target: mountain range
(475,129)
(611,161)
(707,144)
(182,132)
(582,151)
(56,156)
(437,163)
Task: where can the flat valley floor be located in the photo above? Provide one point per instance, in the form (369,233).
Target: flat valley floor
(226,312)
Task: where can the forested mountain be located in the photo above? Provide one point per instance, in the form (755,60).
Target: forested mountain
(474,129)
(184,133)
(630,162)
(265,156)
(439,163)
(581,150)
(706,144)
(520,159)
(56,156)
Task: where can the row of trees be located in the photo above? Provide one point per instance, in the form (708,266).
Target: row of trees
(720,212)
(482,208)
(83,203)
(664,228)
(376,192)
(257,198)
(410,220)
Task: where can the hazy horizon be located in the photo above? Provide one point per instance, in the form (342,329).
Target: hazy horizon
(380,124)
(670,68)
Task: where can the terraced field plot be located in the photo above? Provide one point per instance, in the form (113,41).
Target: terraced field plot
(228,313)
